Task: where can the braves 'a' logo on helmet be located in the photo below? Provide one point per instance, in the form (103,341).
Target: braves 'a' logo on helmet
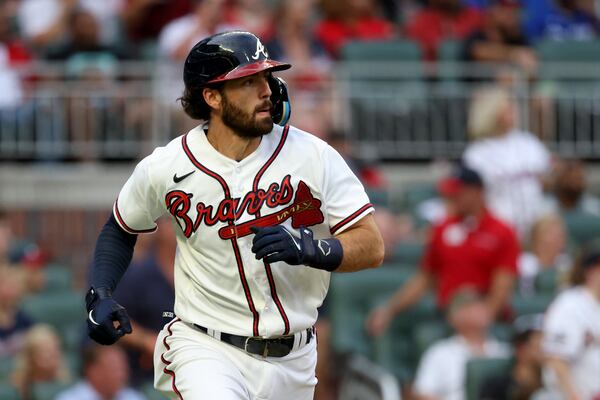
(260,49)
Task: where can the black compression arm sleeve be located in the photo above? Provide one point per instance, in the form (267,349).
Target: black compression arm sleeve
(114,249)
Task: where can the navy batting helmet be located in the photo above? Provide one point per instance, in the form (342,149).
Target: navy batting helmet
(232,55)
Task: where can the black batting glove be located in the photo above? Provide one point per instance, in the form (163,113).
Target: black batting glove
(275,243)
(103,310)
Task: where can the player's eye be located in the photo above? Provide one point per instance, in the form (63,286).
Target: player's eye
(249,82)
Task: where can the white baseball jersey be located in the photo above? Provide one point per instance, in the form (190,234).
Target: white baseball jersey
(512,166)
(292,178)
(572,332)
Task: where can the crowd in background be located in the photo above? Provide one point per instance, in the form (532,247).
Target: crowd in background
(497,222)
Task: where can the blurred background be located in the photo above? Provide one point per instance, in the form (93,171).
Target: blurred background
(403,89)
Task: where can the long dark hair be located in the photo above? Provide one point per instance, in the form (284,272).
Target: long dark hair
(193,102)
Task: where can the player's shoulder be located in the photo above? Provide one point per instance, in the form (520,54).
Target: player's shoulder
(299,137)
(167,154)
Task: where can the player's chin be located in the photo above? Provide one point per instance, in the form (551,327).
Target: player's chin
(265,122)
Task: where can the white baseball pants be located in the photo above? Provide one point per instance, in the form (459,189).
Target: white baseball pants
(189,364)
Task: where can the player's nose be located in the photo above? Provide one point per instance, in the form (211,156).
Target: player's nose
(265,89)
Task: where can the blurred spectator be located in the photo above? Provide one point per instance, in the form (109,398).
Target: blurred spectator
(470,248)
(442,20)
(13,54)
(254,16)
(348,21)
(145,303)
(40,361)
(369,174)
(105,376)
(512,162)
(547,250)
(145,19)
(44,23)
(572,335)
(295,43)
(525,375)
(501,39)
(570,189)
(559,20)
(180,35)
(441,372)
(14,323)
(84,38)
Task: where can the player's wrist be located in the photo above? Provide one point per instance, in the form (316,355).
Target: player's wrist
(95,294)
(327,254)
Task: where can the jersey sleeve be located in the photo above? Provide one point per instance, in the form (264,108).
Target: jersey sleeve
(138,204)
(562,334)
(345,198)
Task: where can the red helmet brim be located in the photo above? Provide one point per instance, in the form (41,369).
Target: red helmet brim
(251,69)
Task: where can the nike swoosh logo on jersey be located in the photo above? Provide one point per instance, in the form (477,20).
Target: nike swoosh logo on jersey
(178,179)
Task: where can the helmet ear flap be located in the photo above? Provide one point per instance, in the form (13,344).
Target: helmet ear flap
(280,99)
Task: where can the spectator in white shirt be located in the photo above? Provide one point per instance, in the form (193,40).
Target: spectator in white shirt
(572,335)
(512,162)
(441,372)
(105,373)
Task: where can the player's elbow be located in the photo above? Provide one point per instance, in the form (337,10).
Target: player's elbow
(377,252)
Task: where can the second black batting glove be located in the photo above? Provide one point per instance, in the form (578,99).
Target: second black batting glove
(275,243)
(103,311)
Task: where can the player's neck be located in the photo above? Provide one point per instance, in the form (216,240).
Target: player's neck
(228,143)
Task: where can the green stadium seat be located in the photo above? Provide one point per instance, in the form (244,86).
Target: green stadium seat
(398,349)
(409,253)
(151,393)
(57,309)
(389,50)
(58,278)
(546,281)
(535,304)
(47,391)
(8,392)
(479,370)
(7,366)
(450,50)
(425,334)
(351,297)
(502,332)
(569,51)
(582,227)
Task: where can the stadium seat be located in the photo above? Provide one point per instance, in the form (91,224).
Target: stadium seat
(409,253)
(582,227)
(546,281)
(151,393)
(351,298)
(425,334)
(569,51)
(389,50)
(7,391)
(535,304)
(56,309)
(58,278)
(478,370)
(398,349)
(7,366)
(47,391)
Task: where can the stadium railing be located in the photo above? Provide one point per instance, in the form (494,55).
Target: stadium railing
(395,110)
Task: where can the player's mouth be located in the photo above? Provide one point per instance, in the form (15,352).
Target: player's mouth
(264,110)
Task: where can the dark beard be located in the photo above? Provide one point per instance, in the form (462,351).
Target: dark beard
(243,124)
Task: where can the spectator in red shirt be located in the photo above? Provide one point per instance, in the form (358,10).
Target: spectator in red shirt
(443,20)
(351,20)
(470,248)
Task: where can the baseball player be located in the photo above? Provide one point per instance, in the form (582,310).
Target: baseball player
(264,213)
(571,336)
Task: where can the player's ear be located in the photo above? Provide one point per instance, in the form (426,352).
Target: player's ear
(212,97)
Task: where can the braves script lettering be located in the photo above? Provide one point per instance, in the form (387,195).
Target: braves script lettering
(229,210)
